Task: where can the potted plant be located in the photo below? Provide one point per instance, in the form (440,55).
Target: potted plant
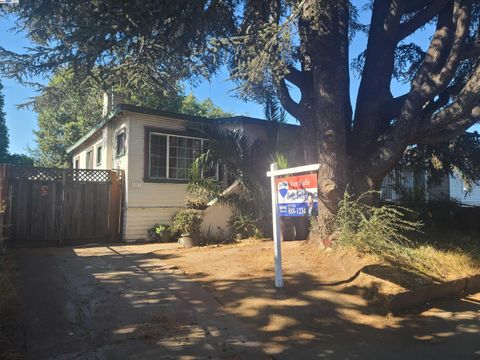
(160,232)
(187,222)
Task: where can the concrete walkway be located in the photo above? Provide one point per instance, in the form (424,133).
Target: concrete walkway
(124,302)
(108,303)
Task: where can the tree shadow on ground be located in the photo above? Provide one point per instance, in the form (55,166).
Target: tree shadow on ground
(341,322)
(119,304)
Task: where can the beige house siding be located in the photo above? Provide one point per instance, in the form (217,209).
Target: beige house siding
(81,153)
(105,137)
(149,202)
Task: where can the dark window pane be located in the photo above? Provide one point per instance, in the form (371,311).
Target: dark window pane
(158,156)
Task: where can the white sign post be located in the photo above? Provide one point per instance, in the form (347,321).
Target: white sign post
(277,233)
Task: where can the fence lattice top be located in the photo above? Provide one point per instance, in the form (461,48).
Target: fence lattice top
(60,175)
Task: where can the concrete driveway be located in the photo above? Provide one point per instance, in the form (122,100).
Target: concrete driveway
(125,302)
(111,303)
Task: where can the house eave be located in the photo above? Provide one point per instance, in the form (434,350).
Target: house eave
(240,120)
(93,130)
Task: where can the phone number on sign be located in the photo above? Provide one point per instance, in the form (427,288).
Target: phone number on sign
(292,209)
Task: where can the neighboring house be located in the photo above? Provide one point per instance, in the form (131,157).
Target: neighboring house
(396,185)
(155,149)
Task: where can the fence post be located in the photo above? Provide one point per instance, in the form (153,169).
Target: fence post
(113,206)
(62,201)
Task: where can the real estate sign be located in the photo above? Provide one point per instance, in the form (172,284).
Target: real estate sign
(297,195)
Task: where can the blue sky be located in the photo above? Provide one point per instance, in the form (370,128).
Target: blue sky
(22,122)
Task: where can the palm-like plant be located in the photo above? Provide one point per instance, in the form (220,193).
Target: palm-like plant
(246,163)
(232,151)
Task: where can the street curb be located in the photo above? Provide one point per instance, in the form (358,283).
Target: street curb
(415,298)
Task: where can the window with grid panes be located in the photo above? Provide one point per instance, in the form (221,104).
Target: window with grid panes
(171,156)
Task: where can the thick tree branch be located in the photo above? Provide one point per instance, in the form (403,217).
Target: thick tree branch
(414,6)
(393,106)
(374,90)
(296,77)
(437,70)
(452,130)
(457,114)
(421,18)
(287,102)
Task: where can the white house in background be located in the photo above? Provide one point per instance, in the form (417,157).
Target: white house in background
(449,187)
(155,149)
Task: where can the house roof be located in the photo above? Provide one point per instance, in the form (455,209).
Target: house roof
(234,120)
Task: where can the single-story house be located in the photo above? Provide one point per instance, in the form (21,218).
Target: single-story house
(155,149)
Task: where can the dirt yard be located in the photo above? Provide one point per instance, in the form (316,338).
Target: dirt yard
(305,267)
(162,301)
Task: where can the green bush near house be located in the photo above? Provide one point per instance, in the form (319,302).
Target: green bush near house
(244,225)
(160,232)
(187,221)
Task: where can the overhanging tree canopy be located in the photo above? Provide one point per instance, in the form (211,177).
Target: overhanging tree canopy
(67,109)
(273,46)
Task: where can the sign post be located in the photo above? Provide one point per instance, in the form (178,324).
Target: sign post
(277,233)
(295,192)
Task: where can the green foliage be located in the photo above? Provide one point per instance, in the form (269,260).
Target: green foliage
(461,155)
(208,237)
(160,232)
(280,159)
(4,140)
(197,203)
(20,159)
(244,163)
(149,43)
(187,221)
(244,225)
(68,109)
(206,108)
(232,151)
(382,230)
(269,46)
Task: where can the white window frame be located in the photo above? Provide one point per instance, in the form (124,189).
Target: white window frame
(97,146)
(167,164)
(89,150)
(75,159)
(121,130)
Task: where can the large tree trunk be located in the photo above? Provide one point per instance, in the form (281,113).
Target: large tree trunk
(325,25)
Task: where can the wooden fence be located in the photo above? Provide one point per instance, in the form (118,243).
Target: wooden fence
(50,206)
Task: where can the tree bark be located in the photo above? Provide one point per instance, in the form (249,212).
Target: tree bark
(325,24)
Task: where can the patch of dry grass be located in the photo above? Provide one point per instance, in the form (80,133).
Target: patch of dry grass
(446,264)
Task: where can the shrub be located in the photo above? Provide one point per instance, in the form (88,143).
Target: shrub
(196,203)
(160,232)
(380,230)
(209,237)
(244,225)
(187,221)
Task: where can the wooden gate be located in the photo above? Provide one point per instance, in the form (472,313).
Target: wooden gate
(49,206)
